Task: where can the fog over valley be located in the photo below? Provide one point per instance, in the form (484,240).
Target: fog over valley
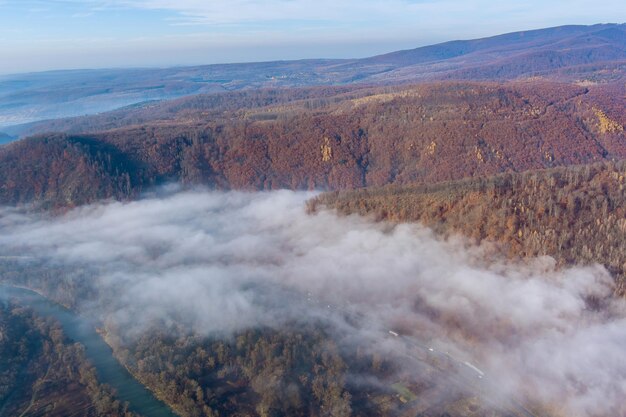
(279,208)
(215,264)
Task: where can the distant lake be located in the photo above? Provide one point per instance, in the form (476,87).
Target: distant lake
(4,138)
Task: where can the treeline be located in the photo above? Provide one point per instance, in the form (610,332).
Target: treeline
(425,134)
(61,171)
(44,373)
(575,214)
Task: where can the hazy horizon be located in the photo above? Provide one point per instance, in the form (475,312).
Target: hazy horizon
(45,35)
(392,47)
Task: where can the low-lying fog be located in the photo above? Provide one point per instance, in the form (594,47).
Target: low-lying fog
(553,334)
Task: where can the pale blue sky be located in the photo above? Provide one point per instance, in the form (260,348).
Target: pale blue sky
(53,34)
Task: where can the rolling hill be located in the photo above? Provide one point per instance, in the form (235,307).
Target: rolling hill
(588,54)
(544,53)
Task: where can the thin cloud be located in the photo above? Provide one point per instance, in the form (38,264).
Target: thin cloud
(423,14)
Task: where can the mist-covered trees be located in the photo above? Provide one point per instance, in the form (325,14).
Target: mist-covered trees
(575,214)
(259,372)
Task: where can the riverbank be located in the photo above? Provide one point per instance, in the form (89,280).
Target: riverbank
(109,370)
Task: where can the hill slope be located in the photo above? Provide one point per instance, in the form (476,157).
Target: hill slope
(574,214)
(425,133)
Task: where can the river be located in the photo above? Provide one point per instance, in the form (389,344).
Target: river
(109,370)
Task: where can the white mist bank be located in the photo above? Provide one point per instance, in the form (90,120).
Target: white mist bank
(200,256)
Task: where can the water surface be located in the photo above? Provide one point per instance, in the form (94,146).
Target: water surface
(109,370)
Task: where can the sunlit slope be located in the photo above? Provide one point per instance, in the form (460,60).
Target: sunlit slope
(320,140)
(573,214)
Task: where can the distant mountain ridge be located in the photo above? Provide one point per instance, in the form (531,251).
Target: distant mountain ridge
(568,53)
(509,42)
(542,52)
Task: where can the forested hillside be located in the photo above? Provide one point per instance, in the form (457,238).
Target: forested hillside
(345,140)
(574,214)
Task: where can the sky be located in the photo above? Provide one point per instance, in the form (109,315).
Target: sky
(40,35)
